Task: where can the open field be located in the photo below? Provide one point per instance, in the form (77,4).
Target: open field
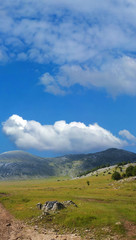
(104,207)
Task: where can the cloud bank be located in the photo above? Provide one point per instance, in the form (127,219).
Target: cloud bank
(61,137)
(91,43)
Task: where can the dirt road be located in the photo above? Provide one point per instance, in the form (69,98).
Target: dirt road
(12,229)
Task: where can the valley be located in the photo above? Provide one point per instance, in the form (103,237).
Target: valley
(105,208)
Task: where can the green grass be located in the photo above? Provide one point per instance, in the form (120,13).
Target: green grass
(103,203)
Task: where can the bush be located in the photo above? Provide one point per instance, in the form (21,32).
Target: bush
(129,171)
(116,176)
(88,183)
(120,168)
(123,175)
(134,171)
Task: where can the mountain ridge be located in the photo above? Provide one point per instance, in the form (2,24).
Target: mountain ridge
(20,164)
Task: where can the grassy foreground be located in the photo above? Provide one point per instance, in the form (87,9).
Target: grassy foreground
(103,203)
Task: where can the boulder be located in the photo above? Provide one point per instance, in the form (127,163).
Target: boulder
(58,206)
(68,203)
(39,206)
(48,205)
(54,206)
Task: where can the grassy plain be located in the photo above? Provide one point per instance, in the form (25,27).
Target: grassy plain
(103,203)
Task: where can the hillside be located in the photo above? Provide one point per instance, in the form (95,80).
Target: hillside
(78,163)
(19,164)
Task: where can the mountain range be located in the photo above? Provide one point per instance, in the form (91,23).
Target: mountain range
(20,164)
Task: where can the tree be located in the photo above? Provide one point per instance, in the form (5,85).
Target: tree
(134,171)
(116,176)
(129,171)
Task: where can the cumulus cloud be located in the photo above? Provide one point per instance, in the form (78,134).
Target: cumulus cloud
(94,39)
(60,137)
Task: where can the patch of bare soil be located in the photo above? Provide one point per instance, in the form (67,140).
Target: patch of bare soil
(130,230)
(12,229)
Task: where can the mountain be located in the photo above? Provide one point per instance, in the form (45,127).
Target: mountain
(74,164)
(19,164)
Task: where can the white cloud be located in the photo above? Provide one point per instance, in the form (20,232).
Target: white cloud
(67,31)
(96,39)
(3,54)
(60,137)
(126,134)
(51,85)
(117,77)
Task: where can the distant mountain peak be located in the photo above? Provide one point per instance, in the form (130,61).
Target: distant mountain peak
(14,151)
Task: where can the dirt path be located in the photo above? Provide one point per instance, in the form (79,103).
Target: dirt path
(12,229)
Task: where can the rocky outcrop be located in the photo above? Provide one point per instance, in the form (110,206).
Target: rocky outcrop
(58,206)
(68,203)
(54,206)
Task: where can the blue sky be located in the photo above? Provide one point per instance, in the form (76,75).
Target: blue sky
(67,76)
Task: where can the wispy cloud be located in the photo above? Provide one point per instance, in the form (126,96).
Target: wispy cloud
(51,84)
(118,76)
(97,38)
(129,136)
(59,137)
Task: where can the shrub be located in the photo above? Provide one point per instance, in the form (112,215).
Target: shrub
(124,175)
(134,171)
(116,176)
(120,168)
(129,171)
(88,183)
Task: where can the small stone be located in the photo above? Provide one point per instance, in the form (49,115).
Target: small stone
(35,227)
(8,224)
(118,223)
(45,213)
(39,206)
